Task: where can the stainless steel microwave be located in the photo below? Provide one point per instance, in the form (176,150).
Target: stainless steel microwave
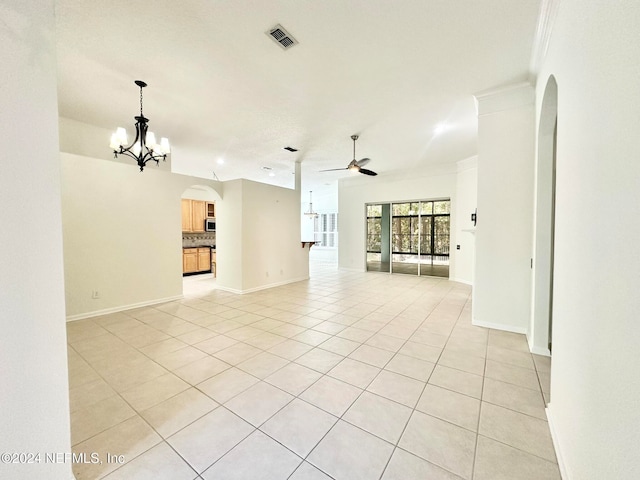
(210,225)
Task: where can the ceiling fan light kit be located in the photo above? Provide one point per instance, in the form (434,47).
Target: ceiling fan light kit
(144,148)
(355,165)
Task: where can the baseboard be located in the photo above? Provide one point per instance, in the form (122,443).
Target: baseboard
(499,326)
(556,443)
(261,287)
(106,311)
(545,352)
(459,280)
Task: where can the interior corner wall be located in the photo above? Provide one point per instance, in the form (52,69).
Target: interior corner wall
(34,398)
(595,381)
(122,234)
(260,237)
(353,194)
(502,286)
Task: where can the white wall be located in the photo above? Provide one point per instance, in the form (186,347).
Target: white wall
(258,229)
(595,374)
(229,267)
(502,287)
(354,193)
(466,203)
(34,404)
(122,234)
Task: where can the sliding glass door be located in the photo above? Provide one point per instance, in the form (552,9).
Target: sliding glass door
(409,237)
(405,231)
(378,238)
(434,240)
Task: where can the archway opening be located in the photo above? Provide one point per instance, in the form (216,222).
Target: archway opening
(542,298)
(199,206)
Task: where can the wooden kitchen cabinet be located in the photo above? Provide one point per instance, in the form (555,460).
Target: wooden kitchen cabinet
(204,259)
(186,214)
(211,210)
(189,260)
(196,260)
(194,213)
(198,215)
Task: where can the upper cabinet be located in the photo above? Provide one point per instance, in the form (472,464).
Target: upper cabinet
(186,215)
(198,215)
(211,210)
(194,213)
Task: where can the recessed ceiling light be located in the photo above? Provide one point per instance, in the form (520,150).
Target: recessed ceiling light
(271,174)
(220,161)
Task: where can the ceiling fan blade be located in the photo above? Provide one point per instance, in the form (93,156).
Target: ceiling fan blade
(368,172)
(334,169)
(363,162)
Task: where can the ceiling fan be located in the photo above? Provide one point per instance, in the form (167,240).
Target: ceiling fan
(355,165)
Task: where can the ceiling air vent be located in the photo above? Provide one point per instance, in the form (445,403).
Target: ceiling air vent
(291,149)
(282,37)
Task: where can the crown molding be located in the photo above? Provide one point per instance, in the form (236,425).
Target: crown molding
(544,28)
(504,97)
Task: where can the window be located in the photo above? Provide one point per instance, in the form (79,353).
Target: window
(325,230)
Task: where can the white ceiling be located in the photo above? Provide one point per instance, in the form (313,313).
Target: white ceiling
(219,87)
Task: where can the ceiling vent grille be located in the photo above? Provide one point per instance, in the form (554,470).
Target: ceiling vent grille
(282,37)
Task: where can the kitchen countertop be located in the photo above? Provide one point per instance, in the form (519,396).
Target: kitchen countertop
(202,246)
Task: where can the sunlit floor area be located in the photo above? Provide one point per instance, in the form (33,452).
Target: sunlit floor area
(410,268)
(345,376)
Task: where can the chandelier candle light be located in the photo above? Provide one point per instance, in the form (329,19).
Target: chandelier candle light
(144,147)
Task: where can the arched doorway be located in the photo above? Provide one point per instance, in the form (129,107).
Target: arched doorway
(199,246)
(542,298)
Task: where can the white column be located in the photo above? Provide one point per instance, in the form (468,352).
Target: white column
(502,286)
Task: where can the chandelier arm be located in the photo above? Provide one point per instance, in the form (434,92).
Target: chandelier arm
(127,153)
(141,158)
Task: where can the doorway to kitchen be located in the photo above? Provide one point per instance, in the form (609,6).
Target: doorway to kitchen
(198,205)
(410,237)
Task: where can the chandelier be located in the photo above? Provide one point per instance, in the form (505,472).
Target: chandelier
(311,213)
(144,148)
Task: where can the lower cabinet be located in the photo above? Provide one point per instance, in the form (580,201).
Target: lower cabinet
(204,259)
(196,260)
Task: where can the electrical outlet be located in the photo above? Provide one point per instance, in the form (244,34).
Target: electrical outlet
(267,274)
(95,294)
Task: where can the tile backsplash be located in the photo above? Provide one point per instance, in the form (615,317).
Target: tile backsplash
(198,239)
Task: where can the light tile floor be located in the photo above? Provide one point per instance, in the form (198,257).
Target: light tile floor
(346,376)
